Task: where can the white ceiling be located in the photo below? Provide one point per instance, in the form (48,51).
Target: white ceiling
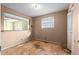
(29,10)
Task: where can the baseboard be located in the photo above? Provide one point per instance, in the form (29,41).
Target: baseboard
(49,41)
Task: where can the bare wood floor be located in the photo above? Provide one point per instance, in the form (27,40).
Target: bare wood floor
(36,47)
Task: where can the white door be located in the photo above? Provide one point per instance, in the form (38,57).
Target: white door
(78,34)
(69,30)
(75,42)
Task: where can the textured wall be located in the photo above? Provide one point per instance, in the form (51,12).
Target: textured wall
(57,34)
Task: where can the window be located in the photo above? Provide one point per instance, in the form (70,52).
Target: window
(47,22)
(15,23)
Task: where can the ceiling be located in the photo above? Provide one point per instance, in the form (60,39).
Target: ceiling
(43,8)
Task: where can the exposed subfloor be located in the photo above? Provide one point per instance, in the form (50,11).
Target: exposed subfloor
(36,47)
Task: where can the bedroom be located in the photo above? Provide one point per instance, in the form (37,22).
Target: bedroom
(39,29)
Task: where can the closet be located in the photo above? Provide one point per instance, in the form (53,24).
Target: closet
(72,28)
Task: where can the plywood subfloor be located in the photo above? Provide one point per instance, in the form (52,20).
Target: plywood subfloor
(36,47)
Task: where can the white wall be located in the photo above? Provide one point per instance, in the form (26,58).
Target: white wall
(13,38)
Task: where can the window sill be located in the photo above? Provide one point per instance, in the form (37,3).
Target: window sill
(12,30)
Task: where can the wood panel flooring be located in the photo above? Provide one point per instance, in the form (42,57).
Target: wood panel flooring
(36,47)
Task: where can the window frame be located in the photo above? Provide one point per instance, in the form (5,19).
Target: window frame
(25,19)
(50,20)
